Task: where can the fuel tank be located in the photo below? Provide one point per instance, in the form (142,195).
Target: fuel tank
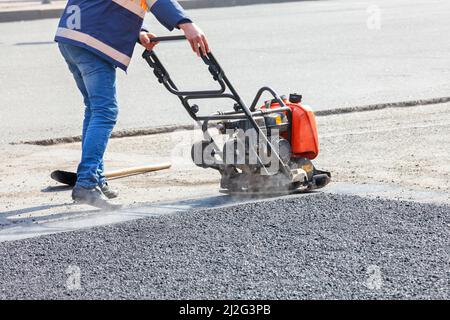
(304,135)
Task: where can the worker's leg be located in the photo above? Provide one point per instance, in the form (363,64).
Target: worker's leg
(99,78)
(87,112)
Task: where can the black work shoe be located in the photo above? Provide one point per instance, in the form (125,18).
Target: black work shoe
(108,192)
(93,197)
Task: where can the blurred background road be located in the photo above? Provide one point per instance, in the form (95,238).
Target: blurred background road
(336,53)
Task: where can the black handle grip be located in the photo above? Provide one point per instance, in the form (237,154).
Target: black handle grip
(169,38)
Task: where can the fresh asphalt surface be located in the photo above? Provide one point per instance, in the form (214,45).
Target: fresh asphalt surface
(311,246)
(323,49)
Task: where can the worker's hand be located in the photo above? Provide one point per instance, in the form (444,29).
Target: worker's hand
(196,38)
(144,39)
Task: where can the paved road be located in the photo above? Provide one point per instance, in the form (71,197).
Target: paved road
(322,49)
(318,246)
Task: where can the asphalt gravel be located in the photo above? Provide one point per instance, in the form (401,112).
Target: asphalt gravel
(314,246)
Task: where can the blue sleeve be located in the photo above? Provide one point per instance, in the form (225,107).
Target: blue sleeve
(169,13)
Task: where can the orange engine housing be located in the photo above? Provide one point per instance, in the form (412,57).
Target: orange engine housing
(304,135)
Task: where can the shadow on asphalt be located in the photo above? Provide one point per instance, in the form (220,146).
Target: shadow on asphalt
(5,216)
(33,209)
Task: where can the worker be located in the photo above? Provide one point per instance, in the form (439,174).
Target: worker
(95,37)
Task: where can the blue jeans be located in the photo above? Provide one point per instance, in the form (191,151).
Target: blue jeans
(96,80)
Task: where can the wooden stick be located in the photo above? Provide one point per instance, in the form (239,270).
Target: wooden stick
(136,170)
(70,178)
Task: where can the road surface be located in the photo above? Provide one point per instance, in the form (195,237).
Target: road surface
(333,52)
(179,238)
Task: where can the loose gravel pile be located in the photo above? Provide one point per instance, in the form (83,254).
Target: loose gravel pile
(317,246)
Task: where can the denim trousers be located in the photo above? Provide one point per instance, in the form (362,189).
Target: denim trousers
(96,80)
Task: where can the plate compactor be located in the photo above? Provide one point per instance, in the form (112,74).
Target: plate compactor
(256,149)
